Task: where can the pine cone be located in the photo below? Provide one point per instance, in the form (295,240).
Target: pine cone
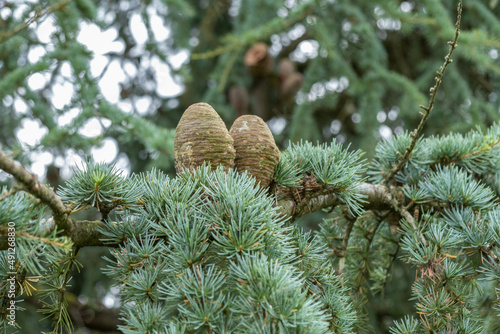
(200,136)
(256,151)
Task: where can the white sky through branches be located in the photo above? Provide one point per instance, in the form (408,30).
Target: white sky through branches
(109,73)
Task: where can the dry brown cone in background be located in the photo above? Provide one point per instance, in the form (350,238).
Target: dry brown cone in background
(256,151)
(201,136)
(286,68)
(290,86)
(238,99)
(290,80)
(258,60)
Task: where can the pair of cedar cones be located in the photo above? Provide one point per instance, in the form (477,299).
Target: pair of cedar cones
(201,136)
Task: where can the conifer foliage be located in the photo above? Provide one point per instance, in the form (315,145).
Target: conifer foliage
(215,255)
(209,249)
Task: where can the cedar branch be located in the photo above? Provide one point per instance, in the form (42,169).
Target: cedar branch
(87,233)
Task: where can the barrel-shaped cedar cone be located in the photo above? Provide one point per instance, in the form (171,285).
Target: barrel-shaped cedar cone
(200,136)
(256,151)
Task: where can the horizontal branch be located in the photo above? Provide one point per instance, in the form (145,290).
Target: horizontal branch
(376,198)
(81,232)
(29,183)
(86,233)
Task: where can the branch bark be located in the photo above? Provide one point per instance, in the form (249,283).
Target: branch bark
(29,182)
(83,233)
(377,197)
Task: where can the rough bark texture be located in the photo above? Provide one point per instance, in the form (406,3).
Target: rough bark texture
(200,136)
(256,151)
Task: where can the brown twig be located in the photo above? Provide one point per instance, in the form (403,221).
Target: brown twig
(38,14)
(82,233)
(415,134)
(341,251)
(471,154)
(4,231)
(30,183)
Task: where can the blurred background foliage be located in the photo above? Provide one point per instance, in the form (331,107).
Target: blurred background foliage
(114,76)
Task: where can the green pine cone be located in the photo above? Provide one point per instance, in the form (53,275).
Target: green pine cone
(256,151)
